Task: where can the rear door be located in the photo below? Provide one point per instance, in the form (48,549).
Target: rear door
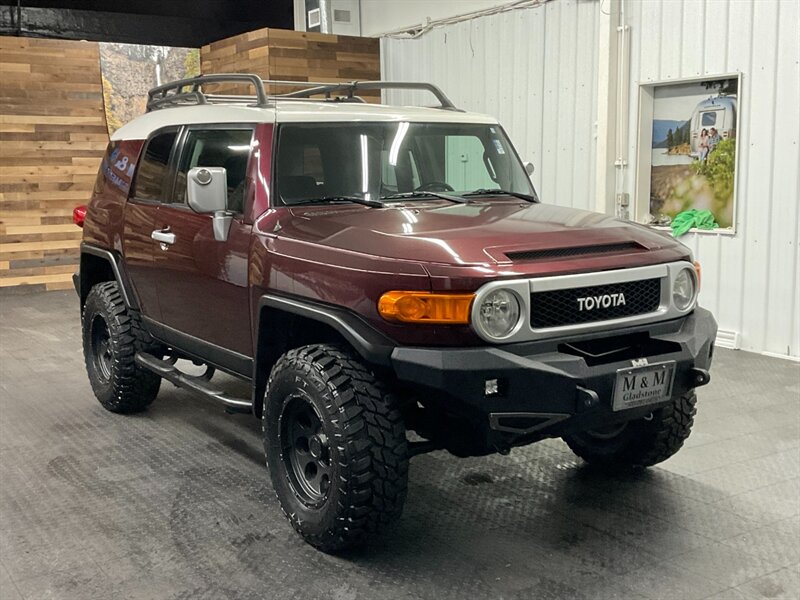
(202,282)
(151,186)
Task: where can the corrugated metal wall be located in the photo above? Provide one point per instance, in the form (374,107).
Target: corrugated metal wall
(750,280)
(536,70)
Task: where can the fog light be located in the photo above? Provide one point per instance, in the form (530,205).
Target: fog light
(492,387)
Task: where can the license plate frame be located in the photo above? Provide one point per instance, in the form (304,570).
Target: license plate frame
(629,378)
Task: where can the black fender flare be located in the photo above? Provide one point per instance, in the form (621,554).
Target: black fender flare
(117,268)
(372,345)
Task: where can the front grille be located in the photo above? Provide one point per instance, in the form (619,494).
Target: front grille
(525,255)
(562,307)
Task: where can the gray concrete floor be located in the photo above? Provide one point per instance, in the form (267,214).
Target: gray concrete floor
(176,503)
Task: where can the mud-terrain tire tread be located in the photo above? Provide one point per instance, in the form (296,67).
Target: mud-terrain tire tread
(131,388)
(371,442)
(646,443)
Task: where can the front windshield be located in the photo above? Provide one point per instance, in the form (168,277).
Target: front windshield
(381,160)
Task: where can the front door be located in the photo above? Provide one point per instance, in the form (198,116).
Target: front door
(202,283)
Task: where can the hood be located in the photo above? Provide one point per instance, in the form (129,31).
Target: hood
(478,233)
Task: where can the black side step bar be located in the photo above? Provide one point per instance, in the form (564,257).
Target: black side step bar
(196,384)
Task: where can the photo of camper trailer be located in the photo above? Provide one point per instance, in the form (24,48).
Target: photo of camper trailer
(693,157)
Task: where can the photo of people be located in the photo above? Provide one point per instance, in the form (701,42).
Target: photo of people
(693,154)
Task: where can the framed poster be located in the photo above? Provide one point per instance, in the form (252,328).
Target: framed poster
(687,152)
(130,70)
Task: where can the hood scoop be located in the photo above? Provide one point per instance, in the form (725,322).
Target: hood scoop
(573,251)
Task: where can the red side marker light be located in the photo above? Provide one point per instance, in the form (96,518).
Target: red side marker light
(79,215)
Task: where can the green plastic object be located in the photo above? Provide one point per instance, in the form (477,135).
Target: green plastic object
(688,219)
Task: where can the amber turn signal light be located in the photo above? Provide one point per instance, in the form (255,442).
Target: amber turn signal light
(699,270)
(426,307)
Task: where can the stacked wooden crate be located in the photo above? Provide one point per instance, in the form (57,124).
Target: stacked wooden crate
(280,54)
(245,53)
(52,137)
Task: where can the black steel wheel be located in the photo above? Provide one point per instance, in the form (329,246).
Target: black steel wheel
(112,335)
(336,447)
(101,347)
(305,451)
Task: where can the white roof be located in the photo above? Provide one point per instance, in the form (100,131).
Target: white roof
(291,112)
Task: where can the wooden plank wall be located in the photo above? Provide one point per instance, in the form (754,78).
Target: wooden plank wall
(52,137)
(245,53)
(295,56)
(53,131)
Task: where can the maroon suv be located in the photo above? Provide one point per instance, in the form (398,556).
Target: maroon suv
(374,270)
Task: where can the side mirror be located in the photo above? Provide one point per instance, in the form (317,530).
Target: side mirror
(207,191)
(529,168)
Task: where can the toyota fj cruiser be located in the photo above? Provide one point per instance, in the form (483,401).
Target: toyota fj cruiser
(376,270)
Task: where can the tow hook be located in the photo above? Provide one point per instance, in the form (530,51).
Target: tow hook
(699,377)
(587,398)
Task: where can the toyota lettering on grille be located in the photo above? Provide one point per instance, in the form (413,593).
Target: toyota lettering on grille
(603,301)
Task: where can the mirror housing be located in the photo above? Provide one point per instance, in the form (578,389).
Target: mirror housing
(207,192)
(529,168)
(207,189)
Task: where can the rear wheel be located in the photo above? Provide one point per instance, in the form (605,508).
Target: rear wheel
(639,443)
(335,445)
(112,335)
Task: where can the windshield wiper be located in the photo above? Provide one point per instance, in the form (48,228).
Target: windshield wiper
(421,194)
(355,199)
(486,192)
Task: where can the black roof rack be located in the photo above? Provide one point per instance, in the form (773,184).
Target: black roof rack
(187,92)
(175,93)
(350,89)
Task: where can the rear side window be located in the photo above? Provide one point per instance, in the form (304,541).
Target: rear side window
(228,148)
(152,172)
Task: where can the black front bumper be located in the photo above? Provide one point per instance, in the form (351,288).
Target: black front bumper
(548,388)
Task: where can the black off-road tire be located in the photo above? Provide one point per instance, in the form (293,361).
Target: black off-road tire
(643,442)
(119,383)
(366,451)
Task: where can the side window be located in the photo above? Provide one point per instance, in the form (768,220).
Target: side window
(228,148)
(149,184)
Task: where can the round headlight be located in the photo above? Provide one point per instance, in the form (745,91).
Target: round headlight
(684,289)
(498,313)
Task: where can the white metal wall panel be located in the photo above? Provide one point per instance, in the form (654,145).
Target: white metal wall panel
(750,280)
(536,71)
(533,69)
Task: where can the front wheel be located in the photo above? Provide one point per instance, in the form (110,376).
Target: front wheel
(639,443)
(336,447)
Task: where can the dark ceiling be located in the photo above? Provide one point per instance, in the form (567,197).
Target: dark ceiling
(189,23)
